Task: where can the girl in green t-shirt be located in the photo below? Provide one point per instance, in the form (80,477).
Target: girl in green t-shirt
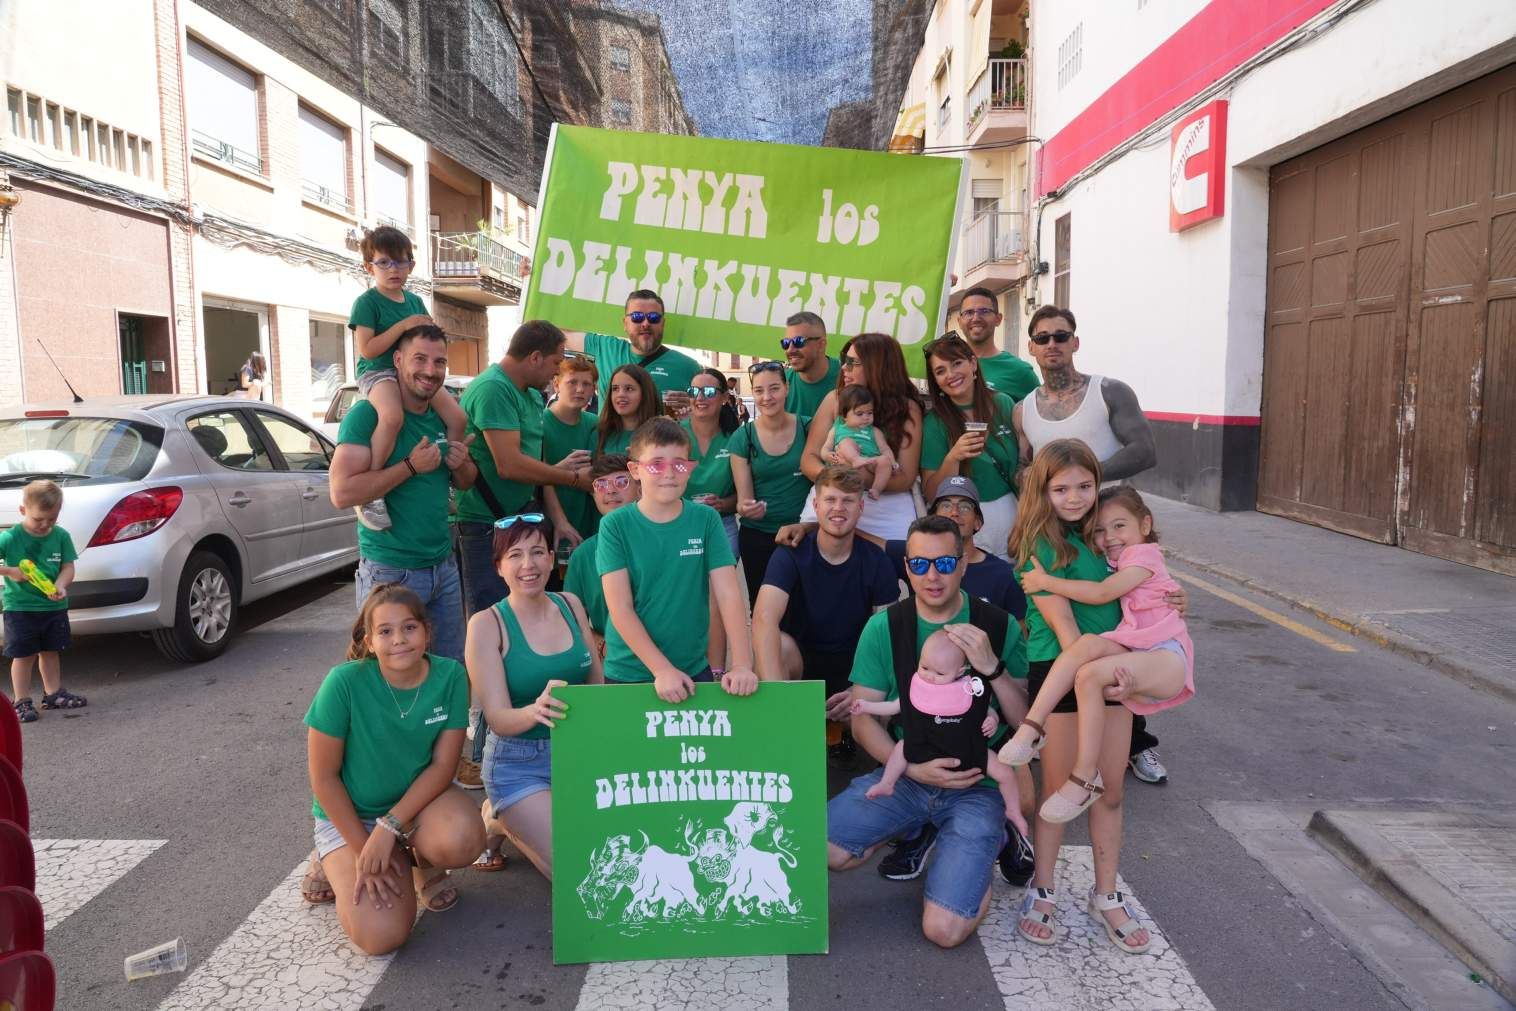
(385,732)
(1056,525)
(631,398)
(771,487)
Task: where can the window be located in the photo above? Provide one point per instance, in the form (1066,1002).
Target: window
(1063,230)
(328,361)
(55,125)
(103,144)
(986,195)
(34,118)
(297,444)
(392,190)
(223,108)
(87,137)
(118,145)
(323,160)
(1071,55)
(944,113)
(621,110)
(522,231)
(148,172)
(621,58)
(71,132)
(498,218)
(13,103)
(226,439)
(135,151)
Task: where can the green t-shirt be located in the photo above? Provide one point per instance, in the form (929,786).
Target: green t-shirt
(383,752)
(713,468)
(527,672)
(558,441)
(862,437)
(1007,374)
(995,468)
(418,537)
(379,313)
(669,566)
(777,480)
(583,581)
(672,370)
(1041,641)
(492,401)
(804,398)
(617,442)
(49,554)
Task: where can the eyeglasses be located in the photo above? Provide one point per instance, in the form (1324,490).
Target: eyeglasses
(616,482)
(649,317)
(506,522)
(704,392)
(1061,336)
(658,468)
(945,564)
(758,367)
(977,313)
(958,507)
(794,342)
(385,263)
(849,362)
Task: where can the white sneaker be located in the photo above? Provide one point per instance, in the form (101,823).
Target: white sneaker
(374,515)
(1146,767)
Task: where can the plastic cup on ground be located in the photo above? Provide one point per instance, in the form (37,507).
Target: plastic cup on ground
(170,956)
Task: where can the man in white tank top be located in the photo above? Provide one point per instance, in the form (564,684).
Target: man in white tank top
(1100,411)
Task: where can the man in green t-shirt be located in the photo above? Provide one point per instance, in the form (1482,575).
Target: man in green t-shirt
(644,321)
(812,373)
(979,317)
(969,814)
(417,550)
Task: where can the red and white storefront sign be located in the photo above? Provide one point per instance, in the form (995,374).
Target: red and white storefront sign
(1197,167)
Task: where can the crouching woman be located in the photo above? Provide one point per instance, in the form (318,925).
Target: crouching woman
(385,731)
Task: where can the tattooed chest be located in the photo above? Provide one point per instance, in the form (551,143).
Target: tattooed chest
(1057,405)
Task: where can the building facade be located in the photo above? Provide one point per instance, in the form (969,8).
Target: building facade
(1288,224)
(630,59)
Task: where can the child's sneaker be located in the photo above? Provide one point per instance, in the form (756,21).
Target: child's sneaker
(374,515)
(25,711)
(63,699)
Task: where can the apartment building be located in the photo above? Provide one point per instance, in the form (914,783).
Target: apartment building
(1288,225)
(630,59)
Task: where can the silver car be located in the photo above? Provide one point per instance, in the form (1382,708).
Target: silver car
(182,508)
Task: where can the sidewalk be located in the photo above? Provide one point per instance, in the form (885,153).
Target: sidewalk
(1456,619)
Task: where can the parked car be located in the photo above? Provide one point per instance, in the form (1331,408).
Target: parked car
(347,394)
(182,508)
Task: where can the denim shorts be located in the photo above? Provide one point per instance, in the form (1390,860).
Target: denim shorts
(28,633)
(514,768)
(971,824)
(329,839)
(369,380)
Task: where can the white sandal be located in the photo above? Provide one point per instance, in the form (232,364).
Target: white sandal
(1100,904)
(1016,755)
(1030,912)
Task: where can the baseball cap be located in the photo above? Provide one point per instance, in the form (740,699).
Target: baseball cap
(957,487)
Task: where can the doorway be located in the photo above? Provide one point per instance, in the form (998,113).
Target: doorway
(232,333)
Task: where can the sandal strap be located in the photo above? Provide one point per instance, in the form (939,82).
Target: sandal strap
(1093,787)
(1029,722)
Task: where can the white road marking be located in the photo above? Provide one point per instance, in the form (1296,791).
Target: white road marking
(1083,970)
(760,983)
(287,954)
(70,872)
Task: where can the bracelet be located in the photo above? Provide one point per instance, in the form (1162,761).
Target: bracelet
(410,466)
(717,672)
(392,825)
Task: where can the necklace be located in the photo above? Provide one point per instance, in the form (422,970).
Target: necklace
(416,695)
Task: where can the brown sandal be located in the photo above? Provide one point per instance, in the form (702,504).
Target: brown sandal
(437,893)
(314,887)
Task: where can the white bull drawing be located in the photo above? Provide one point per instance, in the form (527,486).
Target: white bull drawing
(754,879)
(660,881)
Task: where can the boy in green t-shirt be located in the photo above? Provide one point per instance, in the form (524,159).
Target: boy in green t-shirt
(379,317)
(660,563)
(613,488)
(37,565)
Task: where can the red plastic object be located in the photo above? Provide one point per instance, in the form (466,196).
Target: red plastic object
(10,735)
(18,862)
(20,920)
(13,796)
(27,981)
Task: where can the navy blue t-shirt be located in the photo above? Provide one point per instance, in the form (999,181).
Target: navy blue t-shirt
(829,604)
(992,579)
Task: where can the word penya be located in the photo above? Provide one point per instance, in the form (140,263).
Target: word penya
(688,723)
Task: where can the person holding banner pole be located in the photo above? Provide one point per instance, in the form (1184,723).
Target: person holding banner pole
(644,321)
(517,652)
(771,487)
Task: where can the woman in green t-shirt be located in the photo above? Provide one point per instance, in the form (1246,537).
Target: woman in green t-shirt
(969,433)
(631,398)
(771,487)
(709,432)
(1056,525)
(385,732)
(518,651)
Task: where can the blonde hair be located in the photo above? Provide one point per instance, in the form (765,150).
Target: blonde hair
(384,593)
(1035,518)
(42,493)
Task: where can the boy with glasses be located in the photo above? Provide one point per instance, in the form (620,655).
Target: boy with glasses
(978,319)
(612,488)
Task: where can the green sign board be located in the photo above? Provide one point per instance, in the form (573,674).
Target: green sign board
(690,830)
(737,236)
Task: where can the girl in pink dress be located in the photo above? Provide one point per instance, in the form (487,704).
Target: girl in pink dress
(1147,662)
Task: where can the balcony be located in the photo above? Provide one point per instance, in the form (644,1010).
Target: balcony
(217,149)
(472,267)
(993,250)
(997,103)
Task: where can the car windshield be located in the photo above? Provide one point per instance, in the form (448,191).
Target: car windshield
(76,451)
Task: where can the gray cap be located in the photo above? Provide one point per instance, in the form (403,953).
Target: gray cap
(956,487)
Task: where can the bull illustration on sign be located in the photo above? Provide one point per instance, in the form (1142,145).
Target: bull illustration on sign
(717,872)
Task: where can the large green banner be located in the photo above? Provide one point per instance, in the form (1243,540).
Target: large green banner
(739,235)
(689,830)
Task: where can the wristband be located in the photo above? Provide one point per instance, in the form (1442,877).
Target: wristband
(410,467)
(392,825)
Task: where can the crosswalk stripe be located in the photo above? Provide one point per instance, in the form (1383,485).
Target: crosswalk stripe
(287,954)
(70,872)
(1084,969)
(760,983)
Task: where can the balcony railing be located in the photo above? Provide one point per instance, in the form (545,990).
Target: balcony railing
(326,197)
(994,236)
(1001,88)
(472,254)
(223,151)
(404,226)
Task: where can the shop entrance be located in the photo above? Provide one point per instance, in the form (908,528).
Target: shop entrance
(232,333)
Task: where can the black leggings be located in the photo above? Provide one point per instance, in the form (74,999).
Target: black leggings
(1036,674)
(757,548)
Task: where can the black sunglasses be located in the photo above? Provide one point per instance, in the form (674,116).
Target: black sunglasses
(639,316)
(793,342)
(1061,336)
(758,367)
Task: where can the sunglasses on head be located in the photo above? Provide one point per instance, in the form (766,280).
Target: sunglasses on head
(617,482)
(506,522)
(945,564)
(704,392)
(1061,336)
(649,317)
(758,367)
(658,468)
(793,342)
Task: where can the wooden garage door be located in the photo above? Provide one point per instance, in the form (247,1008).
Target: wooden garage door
(1389,399)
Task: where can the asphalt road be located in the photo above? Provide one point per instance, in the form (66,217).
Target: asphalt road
(209,759)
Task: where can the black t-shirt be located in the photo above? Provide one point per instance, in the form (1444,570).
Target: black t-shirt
(993,579)
(928,737)
(829,604)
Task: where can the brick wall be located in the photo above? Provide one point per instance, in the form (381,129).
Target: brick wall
(187,372)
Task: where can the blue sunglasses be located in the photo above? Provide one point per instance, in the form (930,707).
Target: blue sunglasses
(506,522)
(946,564)
(651,317)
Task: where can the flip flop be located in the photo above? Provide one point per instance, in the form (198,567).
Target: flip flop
(314,887)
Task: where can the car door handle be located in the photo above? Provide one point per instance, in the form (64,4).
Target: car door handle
(310,493)
(238,499)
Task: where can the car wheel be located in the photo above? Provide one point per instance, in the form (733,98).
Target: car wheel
(205,611)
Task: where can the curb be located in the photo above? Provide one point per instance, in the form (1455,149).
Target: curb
(1359,627)
(1401,881)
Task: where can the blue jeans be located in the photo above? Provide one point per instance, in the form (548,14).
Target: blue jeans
(482,586)
(971,824)
(514,768)
(437,586)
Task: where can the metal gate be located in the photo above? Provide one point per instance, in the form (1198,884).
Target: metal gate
(133,360)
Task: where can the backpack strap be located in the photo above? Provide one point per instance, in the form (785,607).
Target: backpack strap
(652,356)
(904,650)
(995,621)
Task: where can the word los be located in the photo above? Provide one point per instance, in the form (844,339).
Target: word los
(679,786)
(686,207)
(689,723)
